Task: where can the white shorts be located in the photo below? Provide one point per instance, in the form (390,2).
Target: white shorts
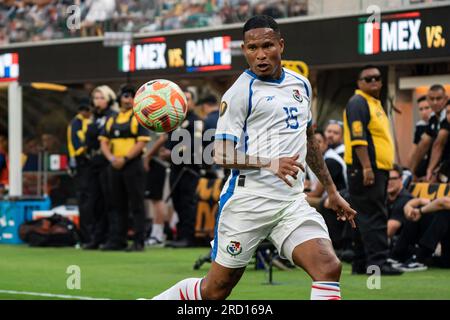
(245,220)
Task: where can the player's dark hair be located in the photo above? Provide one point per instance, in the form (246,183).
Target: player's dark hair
(366,67)
(437,87)
(261,21)
(422,98)
(399,169)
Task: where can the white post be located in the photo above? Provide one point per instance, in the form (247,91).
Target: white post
(15,139)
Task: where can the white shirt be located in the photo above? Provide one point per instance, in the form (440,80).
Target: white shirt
(267,118)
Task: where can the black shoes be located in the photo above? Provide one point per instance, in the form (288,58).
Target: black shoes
(91,246)
(386,269)
(180,244)
(112,247)
(135,247)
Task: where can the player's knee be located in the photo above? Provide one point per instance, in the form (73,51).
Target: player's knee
(333,269)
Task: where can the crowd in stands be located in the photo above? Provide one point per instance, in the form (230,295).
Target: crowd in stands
(37,20)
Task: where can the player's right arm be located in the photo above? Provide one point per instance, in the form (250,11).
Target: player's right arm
(234,111)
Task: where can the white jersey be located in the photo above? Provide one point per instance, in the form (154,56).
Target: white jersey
(266,118)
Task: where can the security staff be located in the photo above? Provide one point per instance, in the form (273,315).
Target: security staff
(98,202)
(184,176)
(76,146)
(122,143)
(369,155)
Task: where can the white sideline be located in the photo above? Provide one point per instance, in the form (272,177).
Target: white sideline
(50,295)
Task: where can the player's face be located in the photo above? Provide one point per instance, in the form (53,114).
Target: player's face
(333,134)
(424,110)
(370,82)
(99,100)
(395,182)
(437,99)
(262,48)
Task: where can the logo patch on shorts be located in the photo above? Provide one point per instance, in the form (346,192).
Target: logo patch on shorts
(234,248)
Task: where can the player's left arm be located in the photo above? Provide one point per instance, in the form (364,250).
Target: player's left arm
(315,161)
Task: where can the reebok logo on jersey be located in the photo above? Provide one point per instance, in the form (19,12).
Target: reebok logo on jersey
(270,98)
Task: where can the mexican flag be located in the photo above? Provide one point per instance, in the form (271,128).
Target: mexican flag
(369,38)
(57,162)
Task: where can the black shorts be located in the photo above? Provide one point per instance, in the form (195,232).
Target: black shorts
(155,181)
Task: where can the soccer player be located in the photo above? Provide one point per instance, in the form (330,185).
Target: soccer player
(264,135)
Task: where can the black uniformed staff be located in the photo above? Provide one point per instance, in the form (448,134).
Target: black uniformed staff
(122,143)
(184,177)
(76,146)
(104,101)
(369,155)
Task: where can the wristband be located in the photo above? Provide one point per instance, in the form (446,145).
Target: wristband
(112,159)
(126,159)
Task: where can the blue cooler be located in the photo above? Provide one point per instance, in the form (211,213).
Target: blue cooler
(14,213)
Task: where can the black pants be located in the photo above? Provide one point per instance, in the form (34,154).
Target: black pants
(82,194)
(410,235)
(184,198)
(98,204)
(370,238)
(340,231)
(128,186)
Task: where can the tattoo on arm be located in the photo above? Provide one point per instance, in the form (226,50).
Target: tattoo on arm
(314,159)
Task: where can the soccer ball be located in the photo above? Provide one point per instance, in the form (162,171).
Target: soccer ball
(160,105)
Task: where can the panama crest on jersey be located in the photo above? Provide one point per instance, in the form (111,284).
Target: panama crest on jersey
(297,95)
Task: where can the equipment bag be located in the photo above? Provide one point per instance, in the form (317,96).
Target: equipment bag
(54,231)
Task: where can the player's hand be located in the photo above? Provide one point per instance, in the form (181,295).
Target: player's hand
(368,177)
(342,208)
(287,166)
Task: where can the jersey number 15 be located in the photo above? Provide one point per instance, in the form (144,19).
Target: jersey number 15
(291,119)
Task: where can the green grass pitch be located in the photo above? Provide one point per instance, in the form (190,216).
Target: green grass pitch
(122,275)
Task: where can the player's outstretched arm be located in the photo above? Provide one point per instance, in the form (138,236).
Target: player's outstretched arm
(315,161)
(226,155)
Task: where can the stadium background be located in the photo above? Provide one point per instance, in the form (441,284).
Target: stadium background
(326,44)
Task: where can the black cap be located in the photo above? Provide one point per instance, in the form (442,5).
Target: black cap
(84,104)
(126,88)
(210,99)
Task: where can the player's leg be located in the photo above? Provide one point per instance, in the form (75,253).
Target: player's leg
(243,222)
(317,257)
(302,237)
(217,285)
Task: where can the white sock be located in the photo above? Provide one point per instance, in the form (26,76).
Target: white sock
(157,231)
(325,290)
(187,289)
